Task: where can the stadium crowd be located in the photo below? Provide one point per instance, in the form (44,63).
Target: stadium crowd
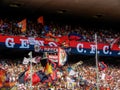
(69,77)
(35,29)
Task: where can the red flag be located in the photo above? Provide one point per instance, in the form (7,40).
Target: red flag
(22,25)
(102,66)
(40,20)
(35,79)
(115,41)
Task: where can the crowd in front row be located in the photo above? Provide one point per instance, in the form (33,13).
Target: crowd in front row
(68,77)
(34,29)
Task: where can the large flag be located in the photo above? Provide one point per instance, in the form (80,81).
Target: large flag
(22,24)
(40,20)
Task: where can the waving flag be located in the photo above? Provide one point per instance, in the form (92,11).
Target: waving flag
(102,66)
(115,41)
(26,60)
(40,20)
(48,68)
(33,60)
(22,24)
(35,79)
(21,77)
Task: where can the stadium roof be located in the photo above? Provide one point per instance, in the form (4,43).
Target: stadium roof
(93,9)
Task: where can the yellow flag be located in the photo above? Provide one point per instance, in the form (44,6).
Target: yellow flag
(48,69)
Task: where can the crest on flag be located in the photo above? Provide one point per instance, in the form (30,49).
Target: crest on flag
(36,48)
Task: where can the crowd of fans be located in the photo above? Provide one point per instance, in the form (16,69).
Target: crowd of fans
(35,29)
(69,77)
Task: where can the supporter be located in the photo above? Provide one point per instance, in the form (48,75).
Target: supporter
(82,77)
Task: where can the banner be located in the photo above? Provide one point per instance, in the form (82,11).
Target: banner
(75,47)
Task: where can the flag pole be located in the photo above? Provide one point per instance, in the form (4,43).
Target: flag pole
(30,55)
(96,58)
